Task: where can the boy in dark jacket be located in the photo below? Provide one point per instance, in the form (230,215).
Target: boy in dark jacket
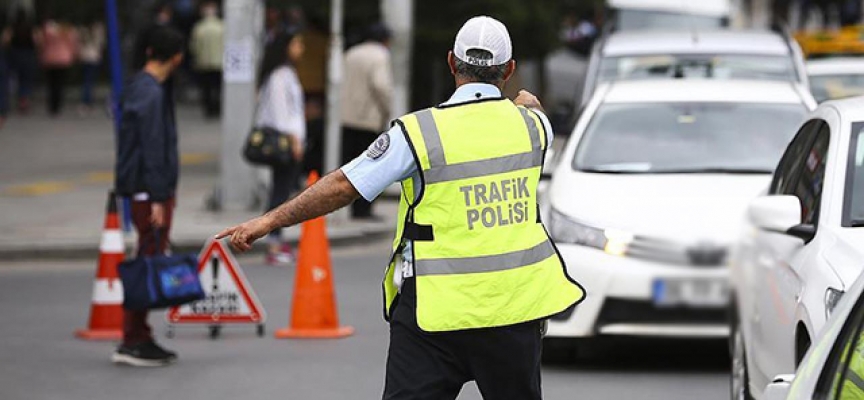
(147,170)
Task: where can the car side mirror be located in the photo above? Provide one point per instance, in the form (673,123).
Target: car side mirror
(779,387)
(780,214)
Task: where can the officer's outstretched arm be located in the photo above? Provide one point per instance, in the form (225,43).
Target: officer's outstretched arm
(331,193)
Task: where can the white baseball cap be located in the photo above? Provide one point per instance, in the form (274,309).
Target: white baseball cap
(483,33)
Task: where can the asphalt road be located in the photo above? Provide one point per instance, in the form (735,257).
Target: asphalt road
(42,303)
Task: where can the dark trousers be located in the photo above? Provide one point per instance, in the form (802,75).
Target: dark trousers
(136,330)
(285,183)
(211,92)
(55,78)
(504,361)
(89,73)
(354,143)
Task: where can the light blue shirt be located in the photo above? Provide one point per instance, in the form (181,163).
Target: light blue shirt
(370,176)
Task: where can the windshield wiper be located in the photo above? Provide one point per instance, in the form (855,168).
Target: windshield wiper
(743,171)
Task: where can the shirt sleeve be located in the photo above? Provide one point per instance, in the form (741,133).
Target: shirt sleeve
(547,127)
(371,172)
(151,125)
(280,101)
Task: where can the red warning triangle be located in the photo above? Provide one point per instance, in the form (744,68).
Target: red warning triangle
(230,298)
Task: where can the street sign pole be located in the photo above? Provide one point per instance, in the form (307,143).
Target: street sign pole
(243,24)
(333,141)
(399,17)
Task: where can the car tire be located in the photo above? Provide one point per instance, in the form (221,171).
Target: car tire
(739,381)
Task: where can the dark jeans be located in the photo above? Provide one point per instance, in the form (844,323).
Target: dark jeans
(211,92)
(4,84)
(89,73)
(354,143)
(504,361)
(24,65)
(284,184)
(136,330)
(56,80)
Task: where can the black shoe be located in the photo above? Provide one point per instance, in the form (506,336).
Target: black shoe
(147,354)
(172,356)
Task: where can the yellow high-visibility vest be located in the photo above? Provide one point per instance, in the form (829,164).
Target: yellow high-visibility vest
(482,257)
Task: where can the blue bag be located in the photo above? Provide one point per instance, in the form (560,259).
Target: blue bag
(153,282)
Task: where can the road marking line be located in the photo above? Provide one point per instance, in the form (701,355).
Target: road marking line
(38,188)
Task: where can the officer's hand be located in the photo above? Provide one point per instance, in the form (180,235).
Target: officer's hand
(243,235)
(527,99)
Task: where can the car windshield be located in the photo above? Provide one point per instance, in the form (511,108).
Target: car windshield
(645,19)
(727,66)
(687,137)
(832,87)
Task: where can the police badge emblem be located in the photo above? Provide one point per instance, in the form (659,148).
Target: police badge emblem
(379,147)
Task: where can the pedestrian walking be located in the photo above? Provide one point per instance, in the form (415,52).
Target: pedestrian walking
(91,44)
(147,171)
(58,45)
(22,57)
(473,274)
(367,91)
(207,46)
(281,107)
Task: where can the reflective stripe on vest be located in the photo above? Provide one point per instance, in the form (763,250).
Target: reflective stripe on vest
(481,256)
(440,171)
(498,262)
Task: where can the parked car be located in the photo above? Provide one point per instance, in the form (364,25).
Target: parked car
(669,14)
(715,54)
(648,193)
(833,368)
(801,249)
(836,78)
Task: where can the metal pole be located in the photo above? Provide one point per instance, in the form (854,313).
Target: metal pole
(243,24)
(332,159)
(399,17)
(115,63)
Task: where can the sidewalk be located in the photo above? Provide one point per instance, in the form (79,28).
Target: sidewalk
(55,175)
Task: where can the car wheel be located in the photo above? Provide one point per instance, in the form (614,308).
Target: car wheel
(740,381)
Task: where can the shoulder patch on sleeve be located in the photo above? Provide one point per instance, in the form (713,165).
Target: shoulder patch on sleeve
(379,146)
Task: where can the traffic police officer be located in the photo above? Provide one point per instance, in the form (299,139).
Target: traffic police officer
(473,273)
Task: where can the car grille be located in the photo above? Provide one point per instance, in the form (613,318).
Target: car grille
(700,254)
(637,311)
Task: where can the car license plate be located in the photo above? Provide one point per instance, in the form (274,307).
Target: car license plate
(695,292)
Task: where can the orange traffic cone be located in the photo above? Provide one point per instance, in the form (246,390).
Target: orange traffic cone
(106,312)
(313,308)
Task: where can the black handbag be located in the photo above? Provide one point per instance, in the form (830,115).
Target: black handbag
(268,147)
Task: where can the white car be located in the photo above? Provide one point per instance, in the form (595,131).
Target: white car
(713,54)
(836,78)
(666,14)
(802,247)
(647,196)
(830,371)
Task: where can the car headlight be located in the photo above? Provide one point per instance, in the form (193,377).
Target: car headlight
(565,230)
(832,297)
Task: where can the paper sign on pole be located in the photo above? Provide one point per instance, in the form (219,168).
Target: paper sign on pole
(229,297)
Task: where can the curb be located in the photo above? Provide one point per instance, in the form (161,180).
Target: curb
(82,251)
